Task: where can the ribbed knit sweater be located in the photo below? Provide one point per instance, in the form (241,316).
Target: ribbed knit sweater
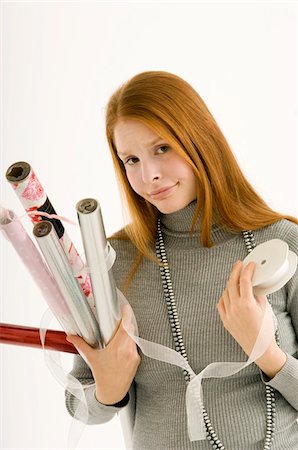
(236,405)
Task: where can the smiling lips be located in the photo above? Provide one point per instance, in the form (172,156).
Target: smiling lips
(162,192)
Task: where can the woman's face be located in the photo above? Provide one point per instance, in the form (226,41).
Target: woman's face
(152,166)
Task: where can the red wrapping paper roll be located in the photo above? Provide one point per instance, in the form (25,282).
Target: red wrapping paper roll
(29,337)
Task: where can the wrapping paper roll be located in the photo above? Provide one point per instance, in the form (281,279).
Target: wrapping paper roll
(14,232)
(30,337)
(102,280)
(58,263)
(34,199)
(99,257)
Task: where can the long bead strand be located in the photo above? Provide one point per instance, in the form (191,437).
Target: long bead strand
(211,435)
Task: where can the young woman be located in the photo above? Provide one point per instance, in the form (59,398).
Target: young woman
(191,207)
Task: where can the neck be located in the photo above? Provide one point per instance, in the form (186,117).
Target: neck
(181,220)
(177,225)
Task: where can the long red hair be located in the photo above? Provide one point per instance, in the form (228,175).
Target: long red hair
(176,112)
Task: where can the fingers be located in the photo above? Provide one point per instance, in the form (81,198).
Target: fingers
(233,281)
(121,337)
(246,290)
(84,349)
(124,323)
(115,332)
(221,308)
(239,284)
(78,342)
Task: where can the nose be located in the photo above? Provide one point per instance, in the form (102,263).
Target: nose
(151,171)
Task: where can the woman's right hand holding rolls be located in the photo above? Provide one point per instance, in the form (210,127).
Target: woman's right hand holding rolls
(113,367)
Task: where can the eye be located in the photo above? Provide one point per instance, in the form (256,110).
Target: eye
(164,148)
(133,161)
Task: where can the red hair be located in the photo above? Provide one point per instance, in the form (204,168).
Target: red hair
(176,112)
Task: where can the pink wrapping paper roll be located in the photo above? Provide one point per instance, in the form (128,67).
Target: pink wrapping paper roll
(34,199)
(14,232)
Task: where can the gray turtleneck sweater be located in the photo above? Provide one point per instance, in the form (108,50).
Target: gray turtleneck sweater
(236,405)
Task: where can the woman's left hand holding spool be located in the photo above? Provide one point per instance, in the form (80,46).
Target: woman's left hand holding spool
(242,314)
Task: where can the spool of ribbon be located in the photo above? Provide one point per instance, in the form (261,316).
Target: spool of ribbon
(275,266)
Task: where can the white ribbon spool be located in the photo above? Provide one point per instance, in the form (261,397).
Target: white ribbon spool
(275,265)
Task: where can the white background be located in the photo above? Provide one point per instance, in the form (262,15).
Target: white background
(60,62)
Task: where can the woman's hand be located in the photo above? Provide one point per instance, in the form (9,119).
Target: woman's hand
(114,366)
(241,312)
(242,315)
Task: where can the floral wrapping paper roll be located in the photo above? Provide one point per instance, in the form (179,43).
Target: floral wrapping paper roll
(34,199)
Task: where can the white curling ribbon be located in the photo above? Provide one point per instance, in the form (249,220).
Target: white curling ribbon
(194,397)
(194,394)
(108,261)
(54,363)
(110,256)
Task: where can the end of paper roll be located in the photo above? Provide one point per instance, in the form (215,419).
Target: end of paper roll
(18,171)
(87,205)
(42,229)
(6,215)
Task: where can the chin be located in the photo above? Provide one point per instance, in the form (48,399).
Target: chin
(168,208)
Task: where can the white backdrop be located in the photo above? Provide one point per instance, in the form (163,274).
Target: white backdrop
(60,62)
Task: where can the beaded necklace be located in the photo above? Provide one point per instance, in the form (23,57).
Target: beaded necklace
(211,435)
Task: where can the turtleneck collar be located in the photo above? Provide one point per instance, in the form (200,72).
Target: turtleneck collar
(178,225)
(180,221)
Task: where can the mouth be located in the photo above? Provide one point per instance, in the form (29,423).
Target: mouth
(163,193)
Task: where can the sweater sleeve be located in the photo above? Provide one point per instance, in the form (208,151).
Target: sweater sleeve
(286,380)
(97,412)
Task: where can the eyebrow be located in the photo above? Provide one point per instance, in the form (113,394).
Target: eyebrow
(150,144)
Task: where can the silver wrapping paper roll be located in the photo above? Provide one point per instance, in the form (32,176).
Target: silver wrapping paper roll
(103,288)
(58,263)
(96,252)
